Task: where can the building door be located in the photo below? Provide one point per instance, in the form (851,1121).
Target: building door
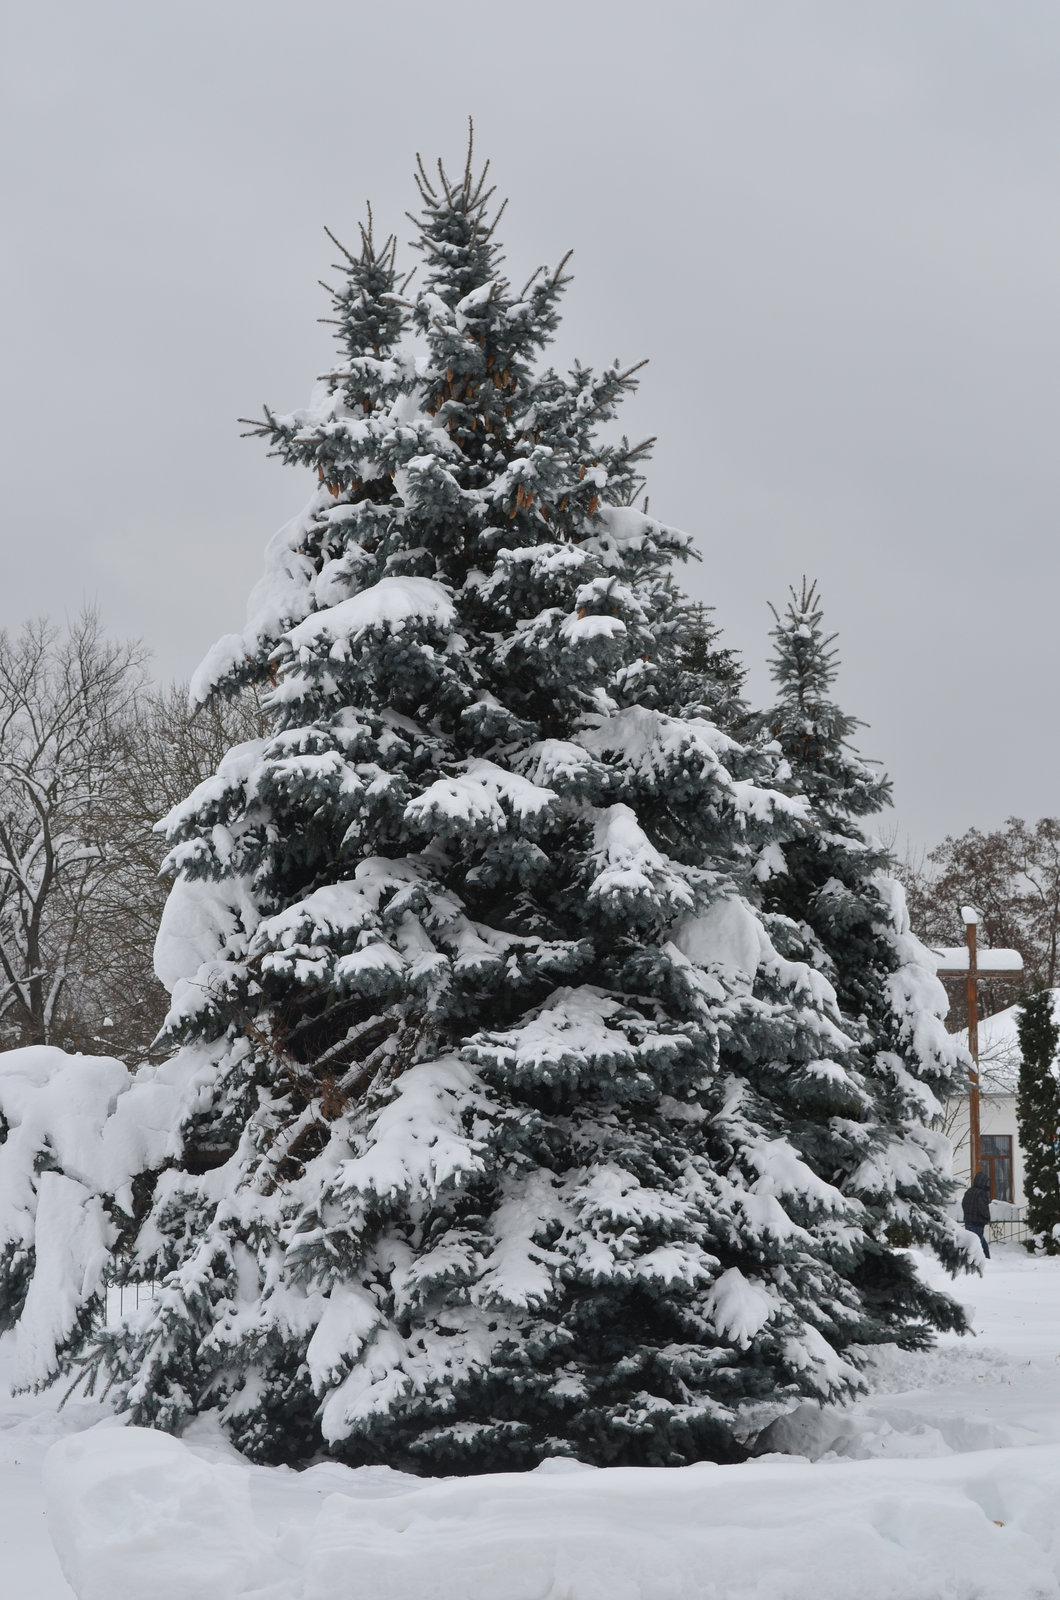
(995,1150)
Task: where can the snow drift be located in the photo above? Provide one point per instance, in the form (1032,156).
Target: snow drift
(138,1513)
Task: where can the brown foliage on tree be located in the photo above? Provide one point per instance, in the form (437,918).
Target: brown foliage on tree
(1012,875)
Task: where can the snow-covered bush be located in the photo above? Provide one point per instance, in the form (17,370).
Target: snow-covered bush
(76,1133)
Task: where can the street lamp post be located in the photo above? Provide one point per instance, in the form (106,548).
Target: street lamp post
(964,961)
(971,928)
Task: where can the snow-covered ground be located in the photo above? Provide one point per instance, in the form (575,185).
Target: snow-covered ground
(943,1484)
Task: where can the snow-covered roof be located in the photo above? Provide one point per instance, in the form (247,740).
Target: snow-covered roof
(954,958)
(999,1050)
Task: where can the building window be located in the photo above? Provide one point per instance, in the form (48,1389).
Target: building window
(995,1150)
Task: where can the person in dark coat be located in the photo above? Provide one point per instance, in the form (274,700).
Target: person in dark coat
(976,1207)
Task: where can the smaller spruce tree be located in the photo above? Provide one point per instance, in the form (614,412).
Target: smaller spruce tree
(1038,1119)
(831,889)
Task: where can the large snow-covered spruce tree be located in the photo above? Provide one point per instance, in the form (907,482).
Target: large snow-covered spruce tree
(847,914)
(509,1131)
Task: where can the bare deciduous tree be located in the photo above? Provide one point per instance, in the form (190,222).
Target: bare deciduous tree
(91,756)
(167,751)
(65,701)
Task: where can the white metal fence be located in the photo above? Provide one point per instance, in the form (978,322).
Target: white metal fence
(1009,1224)
(122,1298)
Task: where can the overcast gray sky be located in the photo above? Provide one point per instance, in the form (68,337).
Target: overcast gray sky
(832,227)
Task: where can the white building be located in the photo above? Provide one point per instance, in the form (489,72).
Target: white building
(999,1065)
